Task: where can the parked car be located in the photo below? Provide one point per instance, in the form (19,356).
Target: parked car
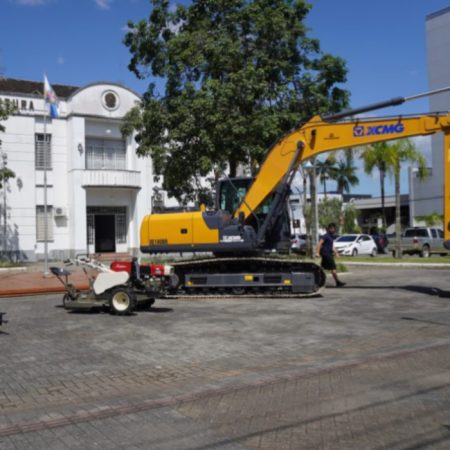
(355,244)
(422,241)
(299,243)
(382,242)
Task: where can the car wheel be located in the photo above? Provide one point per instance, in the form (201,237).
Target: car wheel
(122,301)
(354,252)
(373,253)
(425,252)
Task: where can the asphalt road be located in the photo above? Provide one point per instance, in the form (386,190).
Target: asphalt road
(365,366)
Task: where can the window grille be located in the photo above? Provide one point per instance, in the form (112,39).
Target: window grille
(105,154)
(43,151)
(40,223)
(121,228)
(90,229)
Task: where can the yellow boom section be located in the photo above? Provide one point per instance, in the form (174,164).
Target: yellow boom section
(318,136)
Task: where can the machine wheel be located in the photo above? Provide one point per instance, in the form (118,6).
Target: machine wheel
(355,252)
(373,253)
(122,301)
(425,252)
(66,299)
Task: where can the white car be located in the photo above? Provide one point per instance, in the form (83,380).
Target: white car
(355,244)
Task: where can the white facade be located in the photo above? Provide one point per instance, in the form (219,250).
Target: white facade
(427,197)
(98,189)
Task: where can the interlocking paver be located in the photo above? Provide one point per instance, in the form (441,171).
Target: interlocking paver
(363,367)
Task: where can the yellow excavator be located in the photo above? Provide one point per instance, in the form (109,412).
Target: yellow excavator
(250,221)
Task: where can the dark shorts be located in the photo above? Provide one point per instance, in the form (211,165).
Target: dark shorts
(328,262)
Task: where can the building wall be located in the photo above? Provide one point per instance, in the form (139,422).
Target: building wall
(70,186)
(428,196)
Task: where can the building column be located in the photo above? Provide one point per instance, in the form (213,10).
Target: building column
(77,215)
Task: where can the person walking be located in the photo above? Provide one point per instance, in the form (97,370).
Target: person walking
(325,249)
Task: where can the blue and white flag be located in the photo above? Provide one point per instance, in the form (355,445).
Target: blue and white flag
(51,98)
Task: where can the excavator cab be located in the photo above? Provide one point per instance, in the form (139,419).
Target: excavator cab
(229,195)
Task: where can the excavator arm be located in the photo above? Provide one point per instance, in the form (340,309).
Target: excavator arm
(321,135)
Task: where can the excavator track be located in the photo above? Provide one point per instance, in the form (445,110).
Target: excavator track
(280,295)
(246,277)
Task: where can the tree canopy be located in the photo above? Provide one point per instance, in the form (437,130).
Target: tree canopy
(238,74)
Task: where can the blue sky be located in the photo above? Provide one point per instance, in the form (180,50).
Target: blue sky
(78,42)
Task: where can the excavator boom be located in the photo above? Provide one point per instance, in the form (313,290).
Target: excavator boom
(320,135)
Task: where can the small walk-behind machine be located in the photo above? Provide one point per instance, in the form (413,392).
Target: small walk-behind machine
(119,289)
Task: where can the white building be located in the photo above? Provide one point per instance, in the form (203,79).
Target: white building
(427,197)
(98,189)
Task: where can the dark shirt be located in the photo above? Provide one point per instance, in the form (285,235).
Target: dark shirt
(327,245)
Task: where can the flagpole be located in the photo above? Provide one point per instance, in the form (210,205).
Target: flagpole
(45,189)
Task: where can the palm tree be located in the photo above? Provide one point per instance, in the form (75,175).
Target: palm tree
(378,156)
(403,151)
(344,173)
(325,170)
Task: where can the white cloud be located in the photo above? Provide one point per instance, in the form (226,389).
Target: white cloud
(61,60)
(31,2)
(103,4)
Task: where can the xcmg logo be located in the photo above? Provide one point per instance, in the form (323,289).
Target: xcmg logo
(371,130)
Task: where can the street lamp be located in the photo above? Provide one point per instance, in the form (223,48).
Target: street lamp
(310,169)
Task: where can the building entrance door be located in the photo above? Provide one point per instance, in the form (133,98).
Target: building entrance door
(105,233)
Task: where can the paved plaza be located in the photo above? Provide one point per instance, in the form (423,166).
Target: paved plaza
(362,367)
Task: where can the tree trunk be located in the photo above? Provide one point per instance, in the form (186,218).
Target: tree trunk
(233,168)
(398,225)
(383,208)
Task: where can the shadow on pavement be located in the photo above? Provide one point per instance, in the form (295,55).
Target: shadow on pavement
(428,290)
(159,310)
(418,289)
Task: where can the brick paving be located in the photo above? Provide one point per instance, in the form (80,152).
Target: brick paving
(31,282)
(362,367)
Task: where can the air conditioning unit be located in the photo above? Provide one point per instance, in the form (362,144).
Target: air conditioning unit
(60,211)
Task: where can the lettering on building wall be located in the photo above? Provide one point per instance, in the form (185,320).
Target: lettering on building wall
(18,104)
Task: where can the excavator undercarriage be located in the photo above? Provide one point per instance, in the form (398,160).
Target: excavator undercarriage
(255,276)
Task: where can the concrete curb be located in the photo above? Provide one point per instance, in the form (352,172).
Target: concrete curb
(383,264)
(13,269)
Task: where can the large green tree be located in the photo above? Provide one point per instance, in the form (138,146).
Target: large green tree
(237,75)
